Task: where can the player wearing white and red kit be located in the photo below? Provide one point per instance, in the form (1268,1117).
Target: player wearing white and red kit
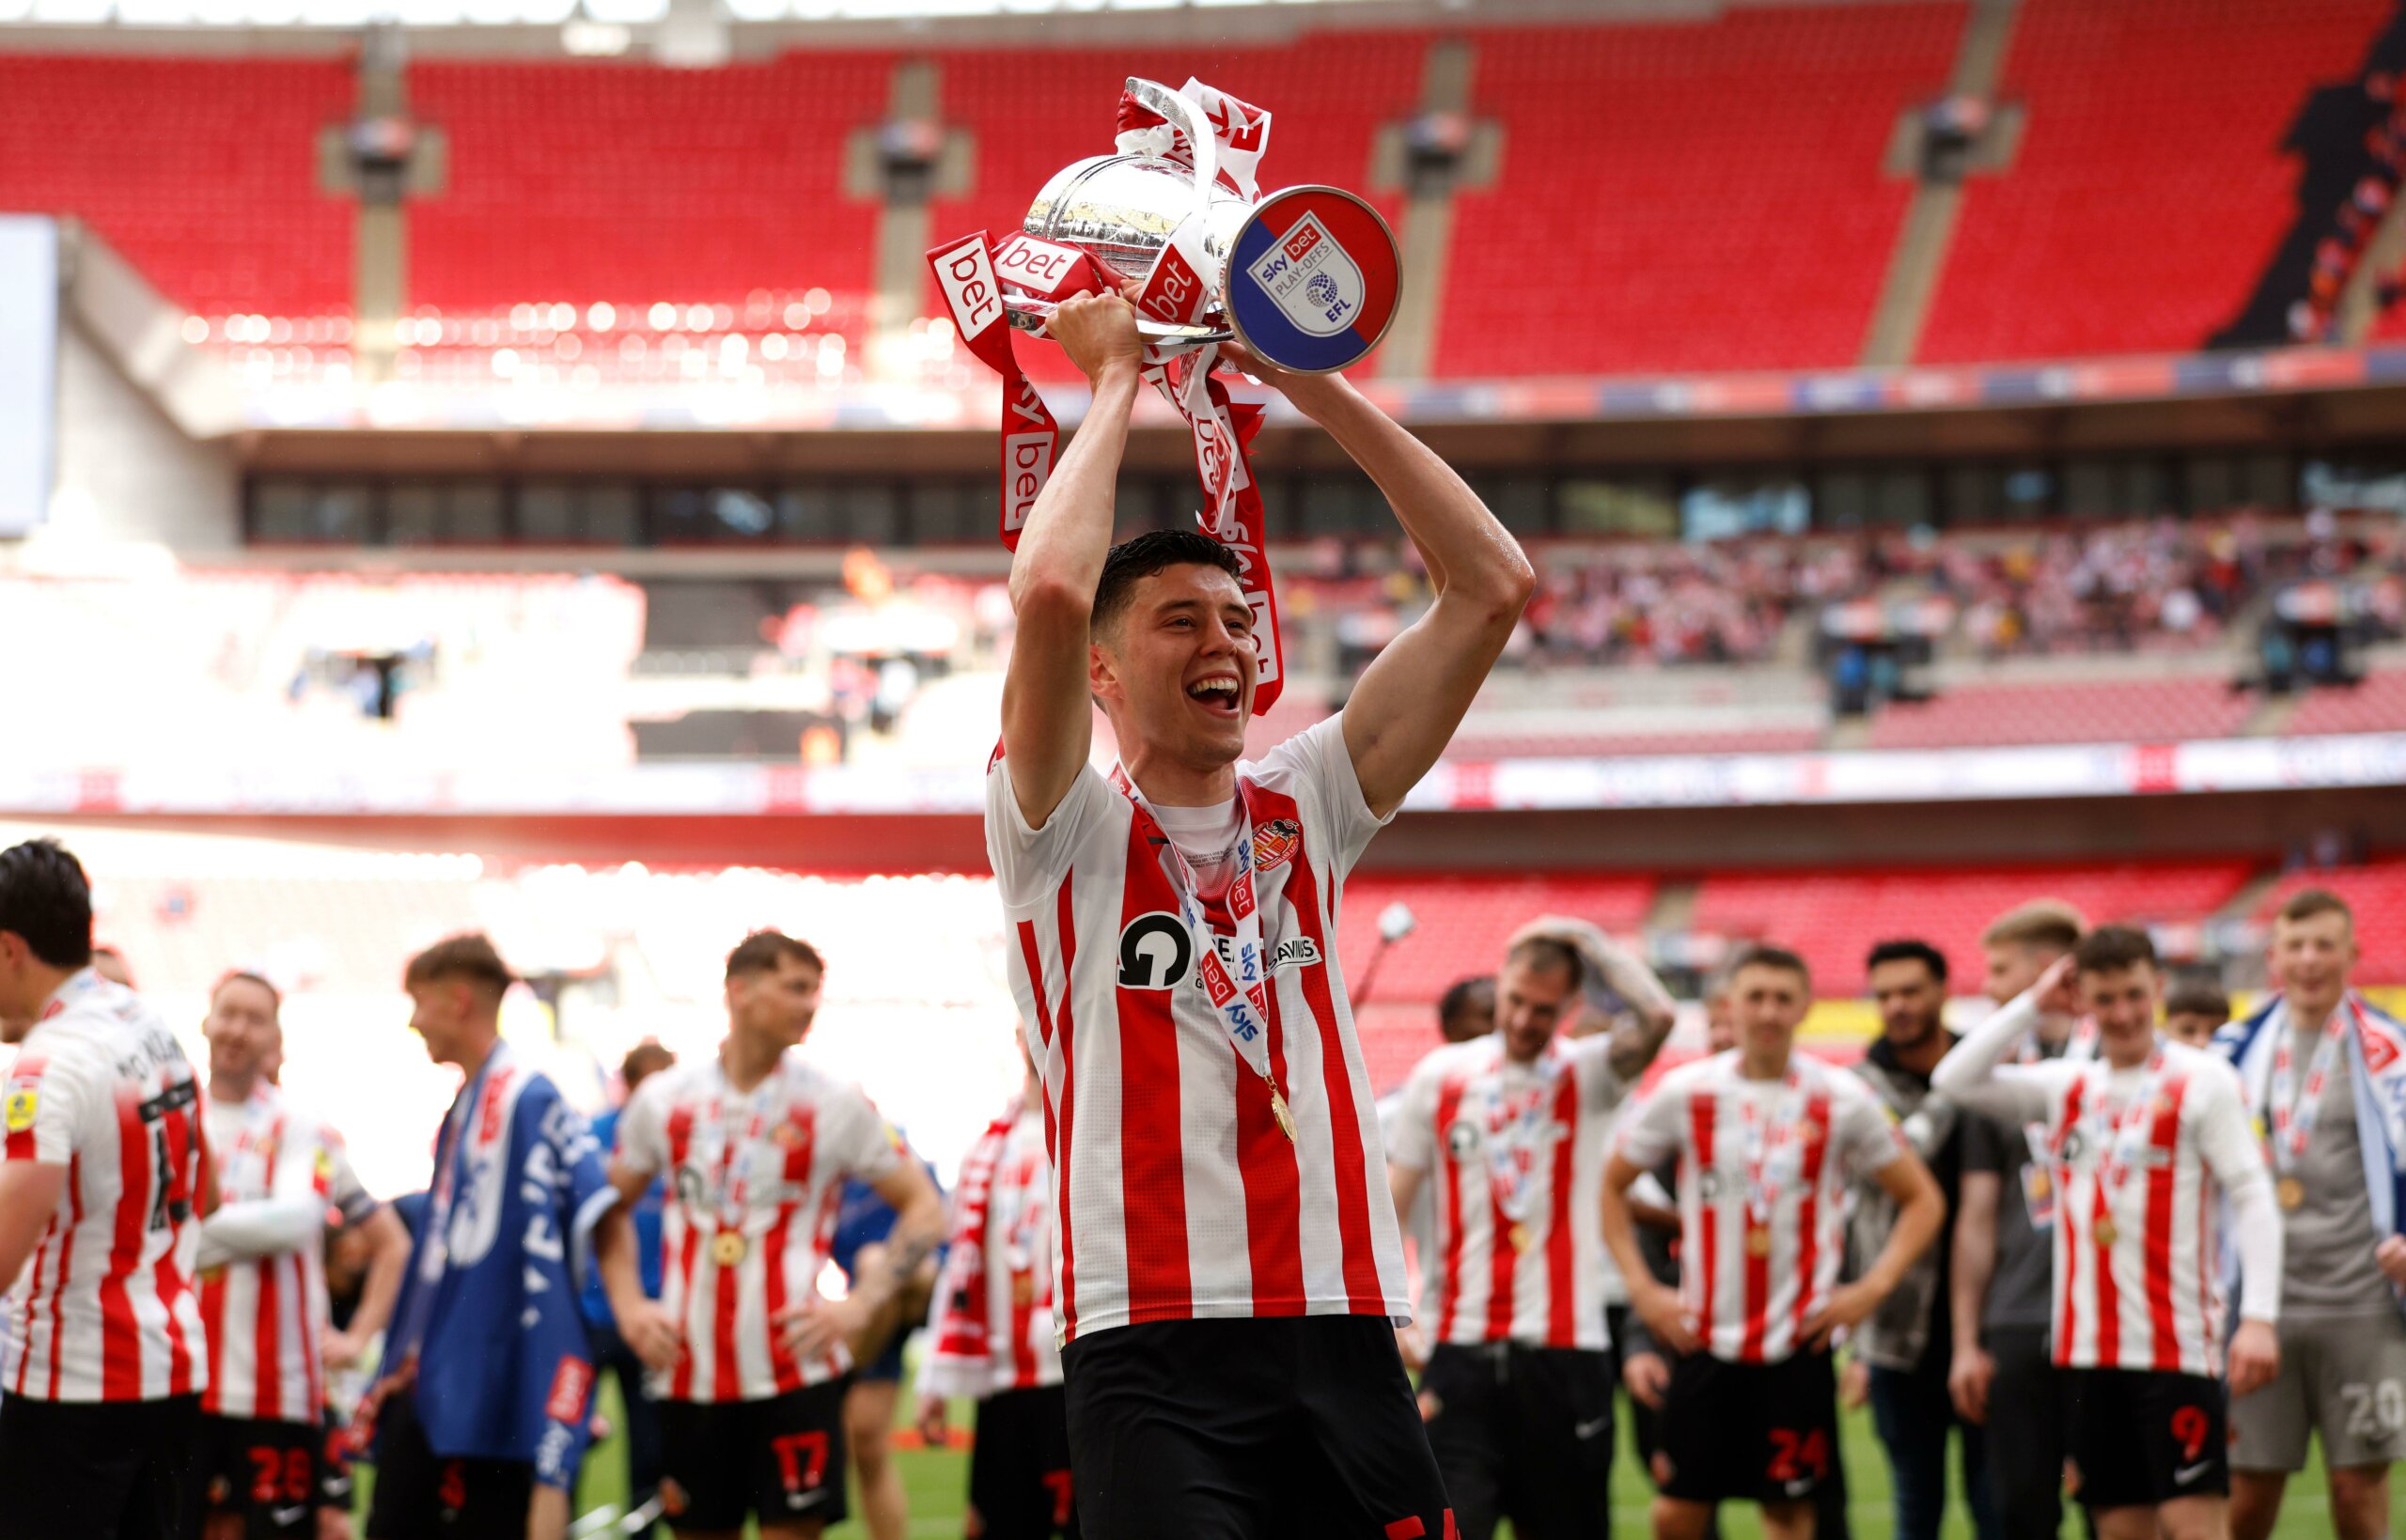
(103,1187)
(1518,1392)
(262,1275)
(756,1144)
(1767,1141)
(990,1333)
(2146,1141)
(1226,1239)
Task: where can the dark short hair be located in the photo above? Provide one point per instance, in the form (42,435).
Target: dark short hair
(1457,1000)
(46,898)
(1140,556)
(1908,949)
(244,975)
(1549,955)
(2197,994)
(1766,956)
(2109,949)
(2307,903)
(470,958)
(765,951)
(643,1061)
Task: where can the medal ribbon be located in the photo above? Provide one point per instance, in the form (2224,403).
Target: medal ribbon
(2294,1112)
(734,1173)
(1762,1196)
(1241,1000)
(2117,1124)
(1513,1127)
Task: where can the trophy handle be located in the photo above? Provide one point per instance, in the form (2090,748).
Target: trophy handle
(1187,118)
(1029,315)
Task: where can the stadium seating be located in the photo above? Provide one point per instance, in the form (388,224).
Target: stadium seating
(1327,97)
(1473,743)
(2070,711)
(2152,185)
(1833,918)
(1464,920)
(1682,195)
(2377,705)
(201,173)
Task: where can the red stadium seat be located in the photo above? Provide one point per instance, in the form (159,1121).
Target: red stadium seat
(2377,705)
(2150,186)
(2072,711)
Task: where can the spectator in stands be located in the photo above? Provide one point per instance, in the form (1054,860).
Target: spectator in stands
(2003,1379)
(1904,1350)
(2194,1008)
(610,1349)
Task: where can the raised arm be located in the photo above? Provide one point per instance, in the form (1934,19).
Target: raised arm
(1974,1075)
(1047,721)
(1404,710)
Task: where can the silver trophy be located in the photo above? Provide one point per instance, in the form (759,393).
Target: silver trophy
(1322,308)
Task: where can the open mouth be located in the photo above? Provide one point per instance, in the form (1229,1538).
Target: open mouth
(1217,695)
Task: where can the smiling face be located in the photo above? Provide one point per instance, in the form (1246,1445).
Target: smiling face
(2311,960)
(241,1028)
(1174,668)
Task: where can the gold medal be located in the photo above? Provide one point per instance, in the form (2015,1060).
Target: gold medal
(1758,1240)
(1279,1110)
(1023,1290)
(1519,1235)
(2106,1233)
(728,1248)
(2292,1192)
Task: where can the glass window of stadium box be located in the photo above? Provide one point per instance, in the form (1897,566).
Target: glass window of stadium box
(2125,486)
(839,512)
(603,513)
(1865,497)
(1723,507)
(2018,492)
(2214,483)
(313,512)
(444,513)
(1642,507)
(1342,503)
(1522,503)
(2355,481)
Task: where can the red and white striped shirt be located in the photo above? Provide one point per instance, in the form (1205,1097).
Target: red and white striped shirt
(990,1324)
(262,1256)
(1518,1155)
(2142,1158)
(1763,1169)
(106,1310)
(754,1182)
(1180,1197)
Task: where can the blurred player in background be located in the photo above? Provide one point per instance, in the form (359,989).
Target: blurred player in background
(1767,1141)
(2003,1379)
(1187,1117)
(756,1144)
(1465,1011)
(1903,1350)
(1518,1392)
(109,963)
(104,1179)
(2146,1141)
(2324,1072)
(864,1223)
(481,1415)
(280,1171)
(610,1349)
(990,1337)
(2194,1008)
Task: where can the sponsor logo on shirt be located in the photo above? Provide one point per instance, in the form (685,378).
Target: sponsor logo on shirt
(25,1102)
(569,1383)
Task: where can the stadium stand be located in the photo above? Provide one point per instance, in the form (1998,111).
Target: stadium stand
(202,173)
(2073,252)
(1833,918)
(2377,704)
(2141,710)
(1681,195)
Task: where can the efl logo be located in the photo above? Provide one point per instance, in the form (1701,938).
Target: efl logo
(965,273)
(1315,281)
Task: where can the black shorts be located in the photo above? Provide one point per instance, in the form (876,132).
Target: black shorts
(2141,1437)
(265,1469)
(1019,1469)
(335,1488)
(782,1458)
(1749,1432)
(421,1494)
(1525,1433)
(1250,1430)
(108,1470)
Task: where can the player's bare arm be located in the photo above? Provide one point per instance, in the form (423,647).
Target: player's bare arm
(29,1194)
(1967,1290)
(1920,1209)
(810,1329)
(1403,1185)
(1656,1303)
(1403,712)
(388,1257)
(643,1321)
(1048,723)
